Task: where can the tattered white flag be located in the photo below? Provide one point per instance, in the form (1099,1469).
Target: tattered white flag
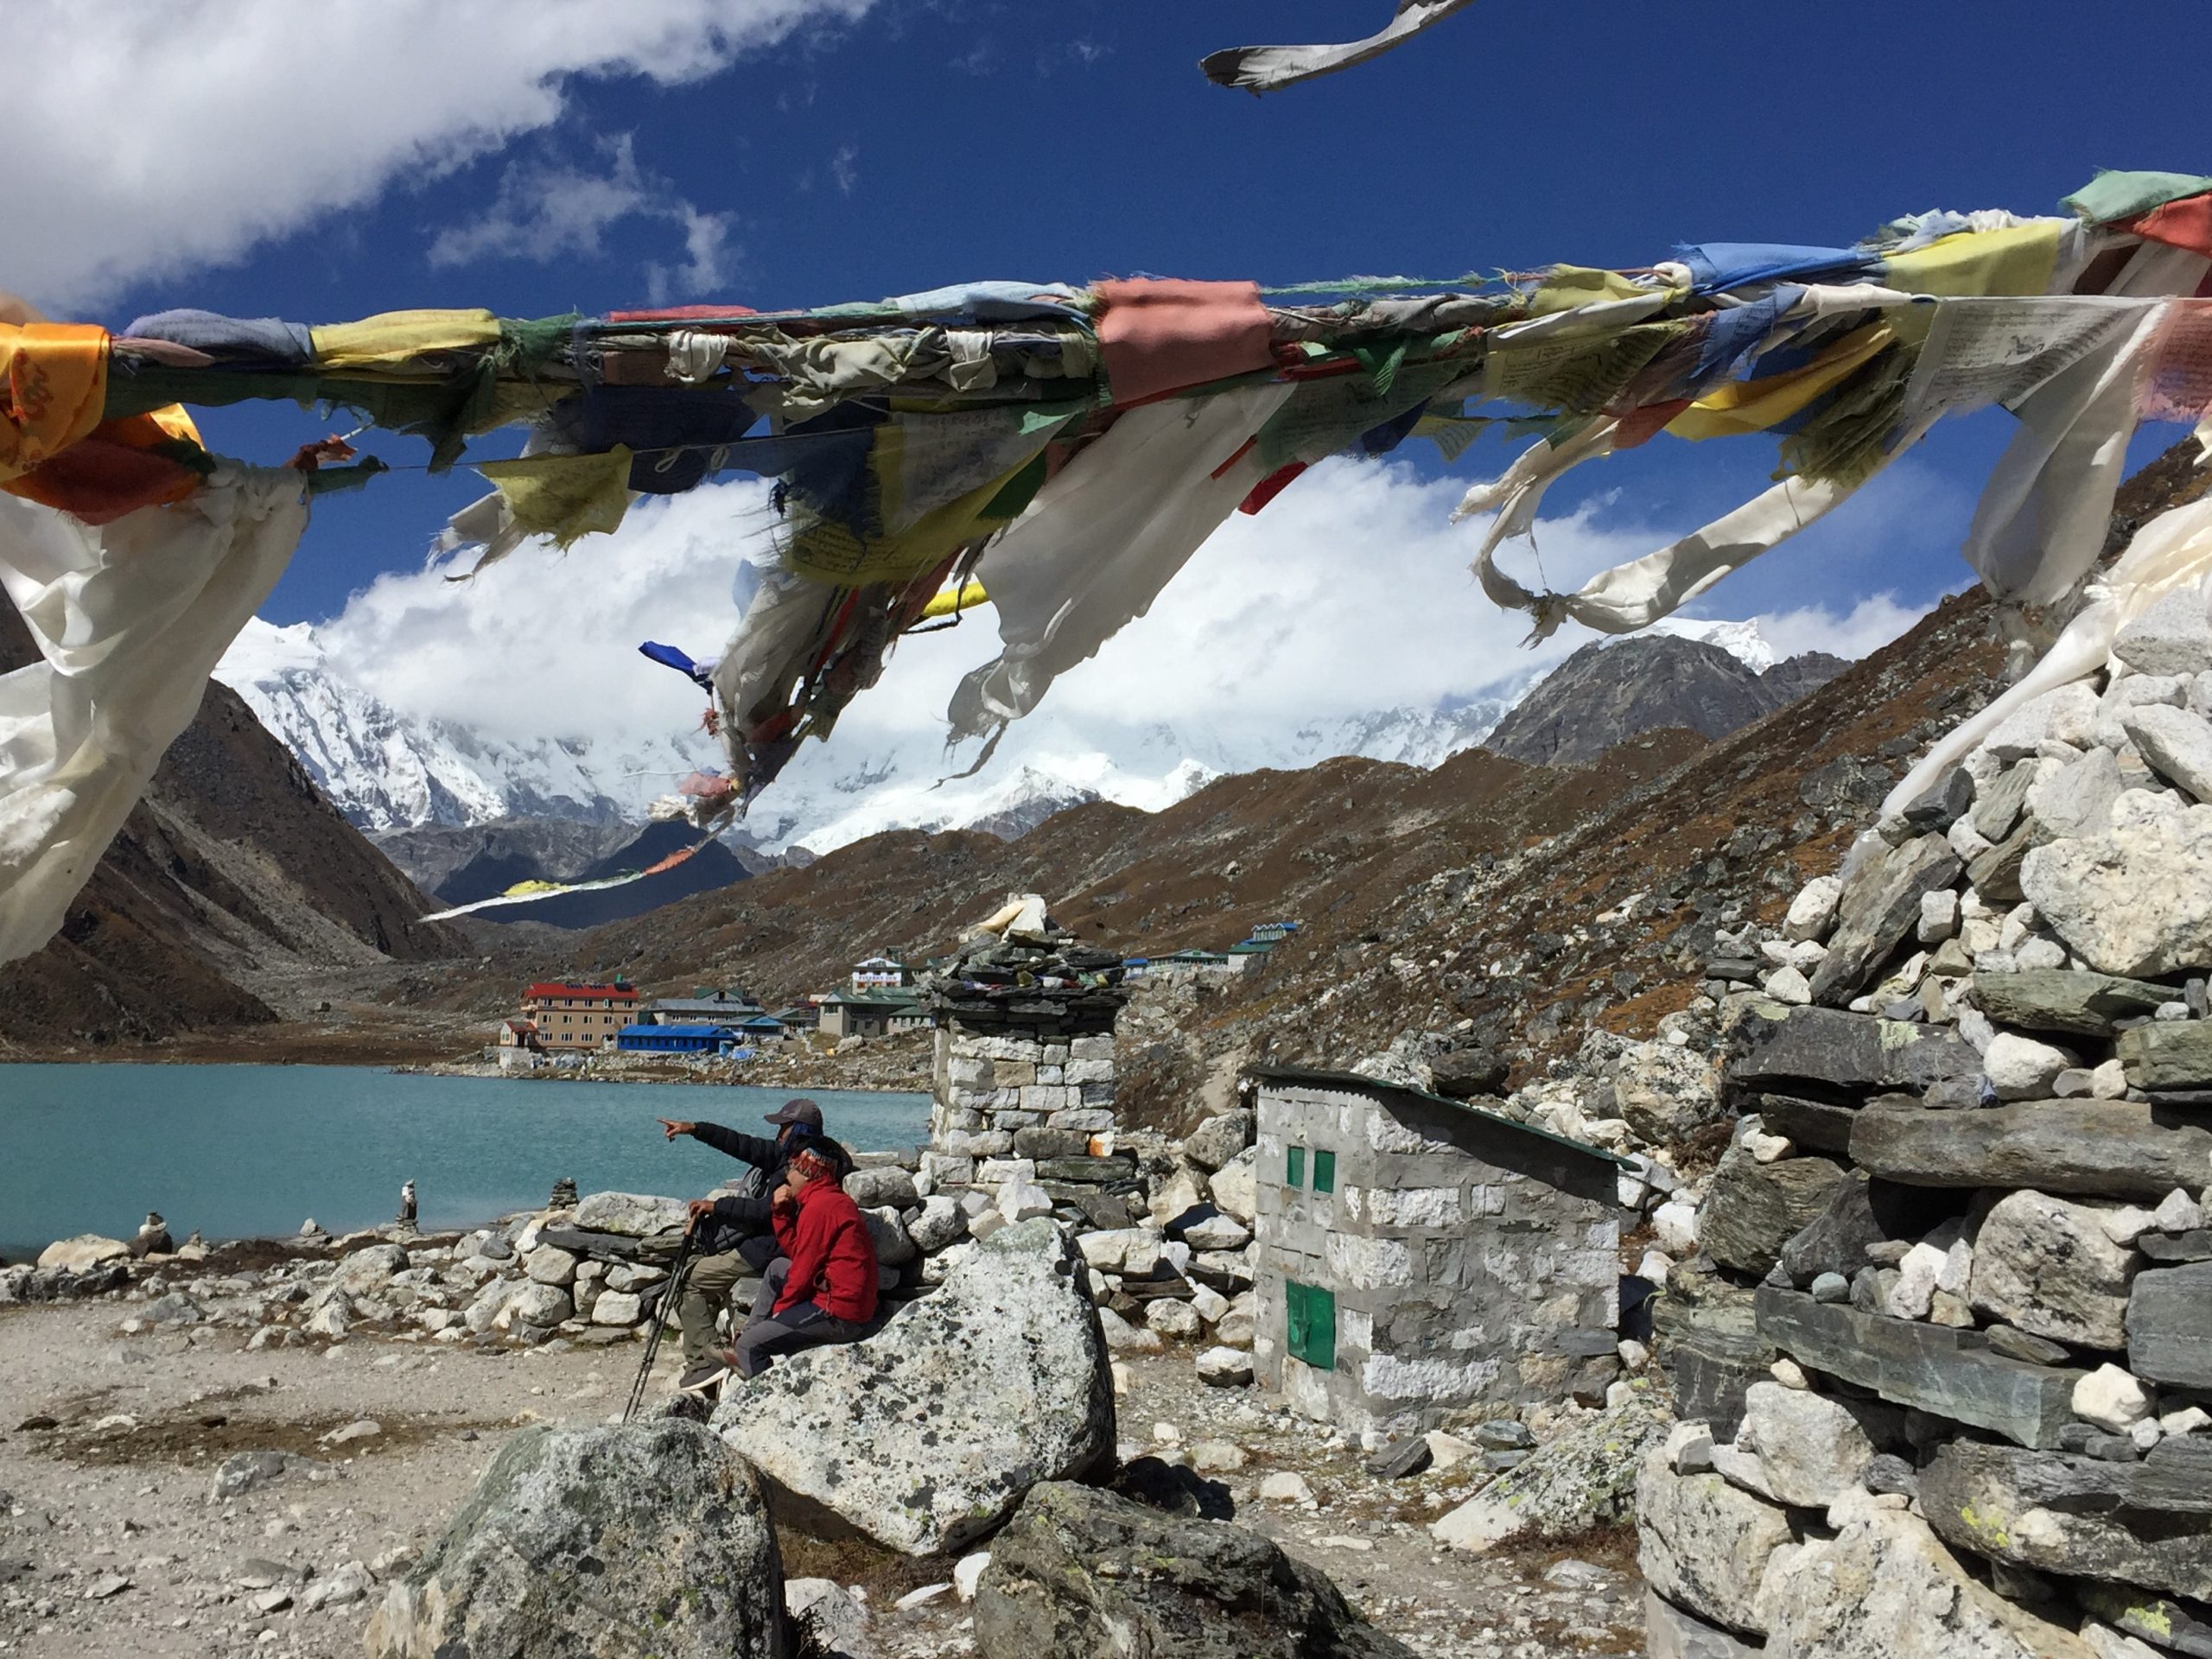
(1264,68)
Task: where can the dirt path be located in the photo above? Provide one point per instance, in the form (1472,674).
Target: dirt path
(110,1542)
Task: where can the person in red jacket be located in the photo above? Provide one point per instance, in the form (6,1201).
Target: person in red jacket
(825,1291)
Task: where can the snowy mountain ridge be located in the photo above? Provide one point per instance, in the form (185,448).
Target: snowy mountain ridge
(388,771)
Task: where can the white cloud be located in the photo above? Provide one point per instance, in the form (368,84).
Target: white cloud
(1348,594)
(548,210)
(181,137)
(844,169)
(1866,627)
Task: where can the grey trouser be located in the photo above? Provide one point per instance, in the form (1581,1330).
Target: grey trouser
(706,1287)
(803,1325)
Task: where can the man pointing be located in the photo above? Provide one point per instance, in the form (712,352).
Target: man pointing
(732,1236)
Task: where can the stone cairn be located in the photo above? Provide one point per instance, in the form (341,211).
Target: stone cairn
(1944,1357)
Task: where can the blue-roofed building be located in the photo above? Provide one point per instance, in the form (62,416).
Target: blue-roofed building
(676,1040)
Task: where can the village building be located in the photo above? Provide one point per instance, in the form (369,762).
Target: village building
(869,1013)
(573,1017)
(676,1040)
(705,1005)
(881,973)
(1182,964)
(1418,1260)
(798,1017)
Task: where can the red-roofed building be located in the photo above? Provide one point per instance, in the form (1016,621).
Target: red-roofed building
(572,1017)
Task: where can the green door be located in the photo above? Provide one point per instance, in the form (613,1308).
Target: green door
(1310,1317)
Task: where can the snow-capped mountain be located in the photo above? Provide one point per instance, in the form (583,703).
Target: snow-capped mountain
(387,771)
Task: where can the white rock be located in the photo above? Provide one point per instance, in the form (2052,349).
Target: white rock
(2063,713)
(921,1597)
(1209,1304)
(2135,900)
(1448,1451)
(1914,1290)
(2171,638)
(2111,1398)
(2189,1420)
(1023,1201)
(633,1214)
(2174,741)
(2021,1068)
(83,1253)
(1809,1447)
(617,1307)
(1123,1338)
(547,1266)
(1674,1224)
(2047,1265)
(1654,1267)
(2177,1213)
(1787,985)
(2108,1081)
(1235,1186)
(1286,1486)
(1172,1318)
(1813,910)
(1224,1368)
(967,1570)
(1939,916)
(1687,1449)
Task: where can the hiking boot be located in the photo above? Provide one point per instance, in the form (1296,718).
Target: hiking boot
(703,1379)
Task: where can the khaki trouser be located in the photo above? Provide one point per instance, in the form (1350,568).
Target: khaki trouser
(707,1289)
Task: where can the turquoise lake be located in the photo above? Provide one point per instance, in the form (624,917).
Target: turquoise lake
(246,1151)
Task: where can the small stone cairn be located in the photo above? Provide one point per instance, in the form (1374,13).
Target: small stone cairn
(1943,1350)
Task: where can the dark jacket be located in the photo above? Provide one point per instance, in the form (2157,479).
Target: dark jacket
(833,1259)
(745,1213)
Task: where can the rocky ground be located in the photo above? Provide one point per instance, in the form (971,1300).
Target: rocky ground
(112,1539)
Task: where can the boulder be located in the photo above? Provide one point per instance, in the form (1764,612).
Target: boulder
(888,1234)
(366,1271)
(1583,1478)
(531,1303)
(927,1434)
(1079,1570)
(83,1253)
(1224,1367)
(1942,1371)
(2170,1055)
(2092,1148)
(2169,1327)
(1468,1073)
(1220,1139)
(2172,637)
(2061,999)
(1671,1633)
(2048,1265)
(885,1183)
(2021,1068)
(1832,1053)
(2147,1523)
(1877,912)
(1666,1093)
(1811,1448)
(1751,1210)
(1885,1584)
(547,1265)
(827,1621)
(1812,911)
(1235,1186)
(2077,798)
(2175,742)
(2135,899)
(617,1307)
(632,1215)
(647,1542)
(1704,1543)
(939,1224)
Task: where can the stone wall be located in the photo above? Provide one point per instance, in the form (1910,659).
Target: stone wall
(1949,1330)
(1024,1092)
(1463,1284)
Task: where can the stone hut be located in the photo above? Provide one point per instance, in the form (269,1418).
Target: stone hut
(1418,1258)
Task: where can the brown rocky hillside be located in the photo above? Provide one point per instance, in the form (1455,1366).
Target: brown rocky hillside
(232,874)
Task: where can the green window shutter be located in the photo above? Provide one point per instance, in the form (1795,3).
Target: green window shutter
(1312,1324)
(1295,1167)
(1324,1172)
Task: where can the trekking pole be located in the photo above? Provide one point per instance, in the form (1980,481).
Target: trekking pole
(672,1289)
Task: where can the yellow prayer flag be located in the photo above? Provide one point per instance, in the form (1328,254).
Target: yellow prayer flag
(564,497)
(2018,259)
(1754,405)
(390,339)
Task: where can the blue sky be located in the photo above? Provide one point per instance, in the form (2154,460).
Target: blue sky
(880,148)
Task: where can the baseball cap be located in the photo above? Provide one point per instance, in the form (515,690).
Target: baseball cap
(797,1111)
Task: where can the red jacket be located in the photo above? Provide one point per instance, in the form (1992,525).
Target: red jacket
(833,1259)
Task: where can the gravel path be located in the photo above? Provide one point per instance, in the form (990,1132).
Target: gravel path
(110,1541)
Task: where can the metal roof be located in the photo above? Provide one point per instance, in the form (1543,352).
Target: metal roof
(1353,1081)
